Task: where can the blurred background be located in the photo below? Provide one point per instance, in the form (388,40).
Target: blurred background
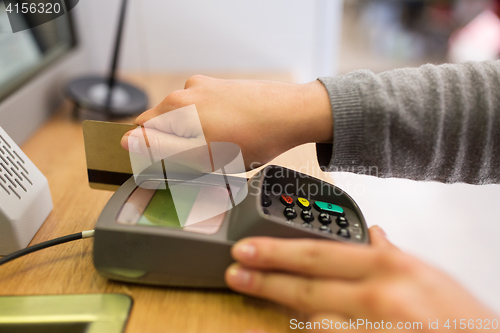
(303,39)
(294,36)
(386,34)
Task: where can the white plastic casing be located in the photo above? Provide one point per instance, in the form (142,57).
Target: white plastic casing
(25,200)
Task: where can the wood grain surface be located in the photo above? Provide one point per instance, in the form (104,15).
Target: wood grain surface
(57,150)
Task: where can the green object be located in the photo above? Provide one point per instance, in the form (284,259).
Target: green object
(163,211)
(327,207)
(90,313)
(160,211)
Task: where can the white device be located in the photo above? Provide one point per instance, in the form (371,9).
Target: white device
(25,200)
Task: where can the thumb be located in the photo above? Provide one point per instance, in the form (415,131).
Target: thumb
(151,145)
(378,237)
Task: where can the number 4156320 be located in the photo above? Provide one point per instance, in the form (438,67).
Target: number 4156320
(479,324)
(33,8)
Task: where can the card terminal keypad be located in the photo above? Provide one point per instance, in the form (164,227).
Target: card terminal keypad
(315,215)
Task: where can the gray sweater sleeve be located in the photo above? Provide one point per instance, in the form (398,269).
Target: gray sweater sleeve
(439,123)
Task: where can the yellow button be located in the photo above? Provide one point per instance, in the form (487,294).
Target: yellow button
(303,203)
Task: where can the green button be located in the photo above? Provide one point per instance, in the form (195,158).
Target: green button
(328,208)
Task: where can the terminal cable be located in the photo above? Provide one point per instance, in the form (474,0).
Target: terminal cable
(49,243)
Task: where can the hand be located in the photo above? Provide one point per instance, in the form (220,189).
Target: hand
(338,282)
(263,118)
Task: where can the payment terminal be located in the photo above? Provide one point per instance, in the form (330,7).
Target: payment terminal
(144,236)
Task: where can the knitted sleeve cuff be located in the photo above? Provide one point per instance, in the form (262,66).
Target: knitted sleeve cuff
(347,147)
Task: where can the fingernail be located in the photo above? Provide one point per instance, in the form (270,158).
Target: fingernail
(133,145)
(238,276)
(244,251)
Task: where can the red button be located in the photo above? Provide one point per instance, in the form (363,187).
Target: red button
(286,200)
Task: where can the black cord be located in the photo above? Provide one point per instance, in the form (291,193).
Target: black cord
(44,245)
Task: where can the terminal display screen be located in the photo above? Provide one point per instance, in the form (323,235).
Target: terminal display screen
(192,208)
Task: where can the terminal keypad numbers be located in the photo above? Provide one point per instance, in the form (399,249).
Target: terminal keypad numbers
(318,216)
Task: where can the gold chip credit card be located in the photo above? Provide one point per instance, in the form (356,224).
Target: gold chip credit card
(108,164)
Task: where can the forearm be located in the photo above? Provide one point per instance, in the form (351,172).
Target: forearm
(437,123)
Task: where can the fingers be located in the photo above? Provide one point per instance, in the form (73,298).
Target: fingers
(124,140)
(177,138)
(173,150)
(303,294)
(174,100)
(169,133)
(319,258)
(184,122)
(379,239)
(147,115)
(196,80)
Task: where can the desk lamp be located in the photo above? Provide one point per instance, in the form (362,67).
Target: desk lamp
(108,96)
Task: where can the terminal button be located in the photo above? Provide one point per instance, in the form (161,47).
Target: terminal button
(303,203)
(290,213)
(286,200)
(325,228)
(326,207)
(307,216)
(266,200)
(342,222)
(344,233)
(324,219)
(356,231)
